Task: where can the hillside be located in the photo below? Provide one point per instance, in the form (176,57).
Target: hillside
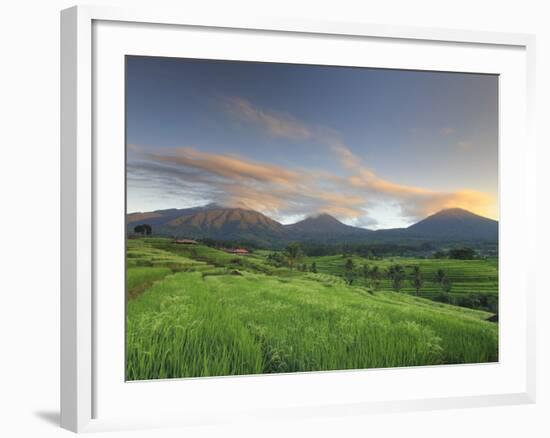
(257,318)
(324,228)
(224,223)
(456,223)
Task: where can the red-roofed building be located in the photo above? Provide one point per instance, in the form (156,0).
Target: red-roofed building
(239,251)
(186,242)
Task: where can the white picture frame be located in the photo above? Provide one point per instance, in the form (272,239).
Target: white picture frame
(85,173)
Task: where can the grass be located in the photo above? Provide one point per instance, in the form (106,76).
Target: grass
(467,276)
(140,278)
(203,312)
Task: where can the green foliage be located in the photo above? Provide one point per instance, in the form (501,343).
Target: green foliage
(143,229)
(188,326)
(139,278)
(375,276)
(349,274)
(462,254)
(467,277)
(293,253)
(444,283)
(417,281)
(396,275)
(349,277)
(276,259)
(204,312)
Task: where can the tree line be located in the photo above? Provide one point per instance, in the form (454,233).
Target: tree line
(373,251)
(395,273)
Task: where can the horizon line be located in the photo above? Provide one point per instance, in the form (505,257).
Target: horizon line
(316,215)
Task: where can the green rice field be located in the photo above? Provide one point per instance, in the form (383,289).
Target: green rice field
(196,311)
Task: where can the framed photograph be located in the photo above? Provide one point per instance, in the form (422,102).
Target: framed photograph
(280,219)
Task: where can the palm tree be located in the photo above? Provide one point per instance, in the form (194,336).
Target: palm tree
(366,272)
(444,283)
(417,282)
(396,274)
(293,253)
(375,277)
(440,276)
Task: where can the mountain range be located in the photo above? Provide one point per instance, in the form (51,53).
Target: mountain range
(223,223)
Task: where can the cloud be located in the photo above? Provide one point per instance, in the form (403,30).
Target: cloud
(255,198)
(350,193)
(347,158)
(228,166)
(414,202)
(279,124)
(276,123)
(466,145)
(239,182)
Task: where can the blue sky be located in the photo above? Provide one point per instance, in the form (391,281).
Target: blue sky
(374,147)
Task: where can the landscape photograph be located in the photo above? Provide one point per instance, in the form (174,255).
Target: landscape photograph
(286,218)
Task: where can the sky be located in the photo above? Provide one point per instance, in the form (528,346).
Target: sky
(375,148)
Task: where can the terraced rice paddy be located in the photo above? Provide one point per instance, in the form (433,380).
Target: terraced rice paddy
(196,311)
(467,277)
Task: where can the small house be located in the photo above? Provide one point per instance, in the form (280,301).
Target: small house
(239,251)
(186,242)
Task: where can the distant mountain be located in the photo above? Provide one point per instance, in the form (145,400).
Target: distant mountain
(212,221)
(322,223)
(455,224)
(223,223)
(325,228)
(160,217)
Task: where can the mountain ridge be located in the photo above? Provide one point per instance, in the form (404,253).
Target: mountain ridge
(456,222)
(237,223)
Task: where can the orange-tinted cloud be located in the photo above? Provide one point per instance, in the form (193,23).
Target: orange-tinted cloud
(279,124)
(276,123)
(230,167)
(259,199)
(466,145)
(341,211)
(415,202)
(279,191)
(271,189)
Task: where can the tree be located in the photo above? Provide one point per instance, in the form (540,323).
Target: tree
(446,285)
(276,258)
(462,254)
(293,254)
(417,282)
(349,274)
(349,277)
(375,277)
(440,276)
(443,281)
(396,275)
(366,272)
(314,267)
(143,229)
